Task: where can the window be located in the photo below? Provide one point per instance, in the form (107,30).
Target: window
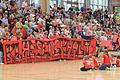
(106,2)
(91,1)
(52,2)
(35,3)
(59,2)
(67,6)
(74,0)
(80,3)
(100,2)
(95,2)
(117,9)
(95,7)
(69,3)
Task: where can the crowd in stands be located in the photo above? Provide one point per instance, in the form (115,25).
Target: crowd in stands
(20,23)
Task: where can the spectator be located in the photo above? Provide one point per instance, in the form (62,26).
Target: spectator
(24,4)
(1,53)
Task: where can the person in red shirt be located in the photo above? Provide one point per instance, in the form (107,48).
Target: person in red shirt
(114,61)
(14,38)
(88,64)
(95,62)
(106,61)
(40,25)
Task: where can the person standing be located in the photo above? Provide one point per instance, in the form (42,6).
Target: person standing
(47,22)
(11,22)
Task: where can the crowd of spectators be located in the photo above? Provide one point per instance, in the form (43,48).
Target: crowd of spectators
(20,23)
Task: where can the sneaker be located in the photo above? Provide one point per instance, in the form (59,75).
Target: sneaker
(64,60)
(60,60)
(1,63)
(108,69)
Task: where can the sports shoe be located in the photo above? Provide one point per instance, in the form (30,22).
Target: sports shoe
(1,63)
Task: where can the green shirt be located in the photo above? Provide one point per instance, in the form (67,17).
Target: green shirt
(26,26)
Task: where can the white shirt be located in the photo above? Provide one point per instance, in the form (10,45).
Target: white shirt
(103,38)
(5,21)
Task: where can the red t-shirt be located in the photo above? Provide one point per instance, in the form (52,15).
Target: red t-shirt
(51,37)
(96,64)
(40,26)
(14,38)
(99,61)
(87,64)
(106,59)
(115,38)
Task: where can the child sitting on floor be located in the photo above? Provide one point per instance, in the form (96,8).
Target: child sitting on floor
(106,61)
(113,61)
(96,63)
(88,64)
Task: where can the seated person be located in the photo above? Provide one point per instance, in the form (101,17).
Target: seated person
(113,61)
(106,61)
(96,61)
(88,64)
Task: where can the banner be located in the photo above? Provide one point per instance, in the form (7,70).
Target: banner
(36,50)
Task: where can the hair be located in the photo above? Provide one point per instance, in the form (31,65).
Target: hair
(86,57)
(106,52)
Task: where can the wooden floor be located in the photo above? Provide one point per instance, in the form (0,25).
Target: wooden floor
(65,70)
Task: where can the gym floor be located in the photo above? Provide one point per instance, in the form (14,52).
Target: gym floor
(56,70)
